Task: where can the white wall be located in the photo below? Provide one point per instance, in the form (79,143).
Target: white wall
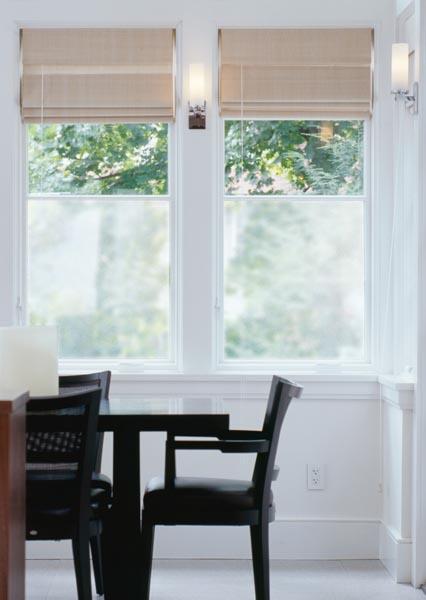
(337,421)
(404,265)
(419,425)
(398,540)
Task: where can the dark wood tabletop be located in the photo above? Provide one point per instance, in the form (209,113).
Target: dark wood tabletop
(178,414)
(186,415)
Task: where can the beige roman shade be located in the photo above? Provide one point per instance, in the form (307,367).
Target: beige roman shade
(99,75)
(296,72)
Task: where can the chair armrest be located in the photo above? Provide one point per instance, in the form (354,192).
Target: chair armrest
(242,434)
(225,446)
(231,434)
(228,446)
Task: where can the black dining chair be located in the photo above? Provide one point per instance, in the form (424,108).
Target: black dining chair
(82,382)
(61,502)
(202,501)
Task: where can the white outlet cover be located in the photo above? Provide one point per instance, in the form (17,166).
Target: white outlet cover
(315,476)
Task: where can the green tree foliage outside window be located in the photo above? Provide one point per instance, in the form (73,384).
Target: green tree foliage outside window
(91,159)
(294,157)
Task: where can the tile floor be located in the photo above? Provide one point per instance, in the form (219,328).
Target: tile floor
(214,579)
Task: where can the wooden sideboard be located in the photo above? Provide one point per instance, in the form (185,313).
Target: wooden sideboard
(12,495)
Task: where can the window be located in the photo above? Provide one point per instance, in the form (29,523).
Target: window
(295,203)
(294,224)
(99,217)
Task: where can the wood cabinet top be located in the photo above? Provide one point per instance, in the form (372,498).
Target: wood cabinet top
(12,401)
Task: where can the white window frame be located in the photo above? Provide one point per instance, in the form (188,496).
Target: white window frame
(298,365)
(197,162)
(134,365)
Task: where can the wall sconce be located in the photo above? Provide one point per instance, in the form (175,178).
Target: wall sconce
(197,93)
(400,69)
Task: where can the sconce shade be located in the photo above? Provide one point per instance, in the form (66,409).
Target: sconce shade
(29,359)
(197,84)
(399,67)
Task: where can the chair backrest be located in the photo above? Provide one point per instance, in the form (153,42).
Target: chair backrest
(88,381)
(61,433)
(281,393)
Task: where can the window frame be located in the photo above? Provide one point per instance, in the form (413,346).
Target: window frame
(118,364)
(221,364)
(196,357)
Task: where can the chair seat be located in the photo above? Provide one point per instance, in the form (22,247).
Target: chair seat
(50,491)
(49,515)
(200,494)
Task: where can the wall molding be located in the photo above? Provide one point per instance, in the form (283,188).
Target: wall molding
(291,539)
(396,547)
(395,554)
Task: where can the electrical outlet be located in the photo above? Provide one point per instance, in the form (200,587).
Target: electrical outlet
(315,477)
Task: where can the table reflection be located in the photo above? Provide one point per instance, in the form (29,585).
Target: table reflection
(170,405)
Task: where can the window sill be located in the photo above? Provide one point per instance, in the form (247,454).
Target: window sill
(162,371)
(246,387)
(301,376)
(134,371)
(237,385)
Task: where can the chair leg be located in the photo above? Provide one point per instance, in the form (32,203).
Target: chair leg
(260,552)
(147,545)
(95,545)
(80,549)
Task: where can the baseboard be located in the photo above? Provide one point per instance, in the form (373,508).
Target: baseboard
(395,554)
(303,539)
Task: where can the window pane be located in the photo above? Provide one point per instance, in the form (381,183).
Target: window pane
(294,281)
(100,271)
(98,159)
(294,157)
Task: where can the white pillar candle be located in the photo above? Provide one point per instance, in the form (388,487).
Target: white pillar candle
(29,359)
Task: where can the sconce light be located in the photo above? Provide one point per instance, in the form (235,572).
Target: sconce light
(197,102)
(400,68)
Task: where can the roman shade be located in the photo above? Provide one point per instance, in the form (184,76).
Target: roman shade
(99,75)
(296,72)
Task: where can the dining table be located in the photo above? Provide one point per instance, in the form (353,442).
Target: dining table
(126,418)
